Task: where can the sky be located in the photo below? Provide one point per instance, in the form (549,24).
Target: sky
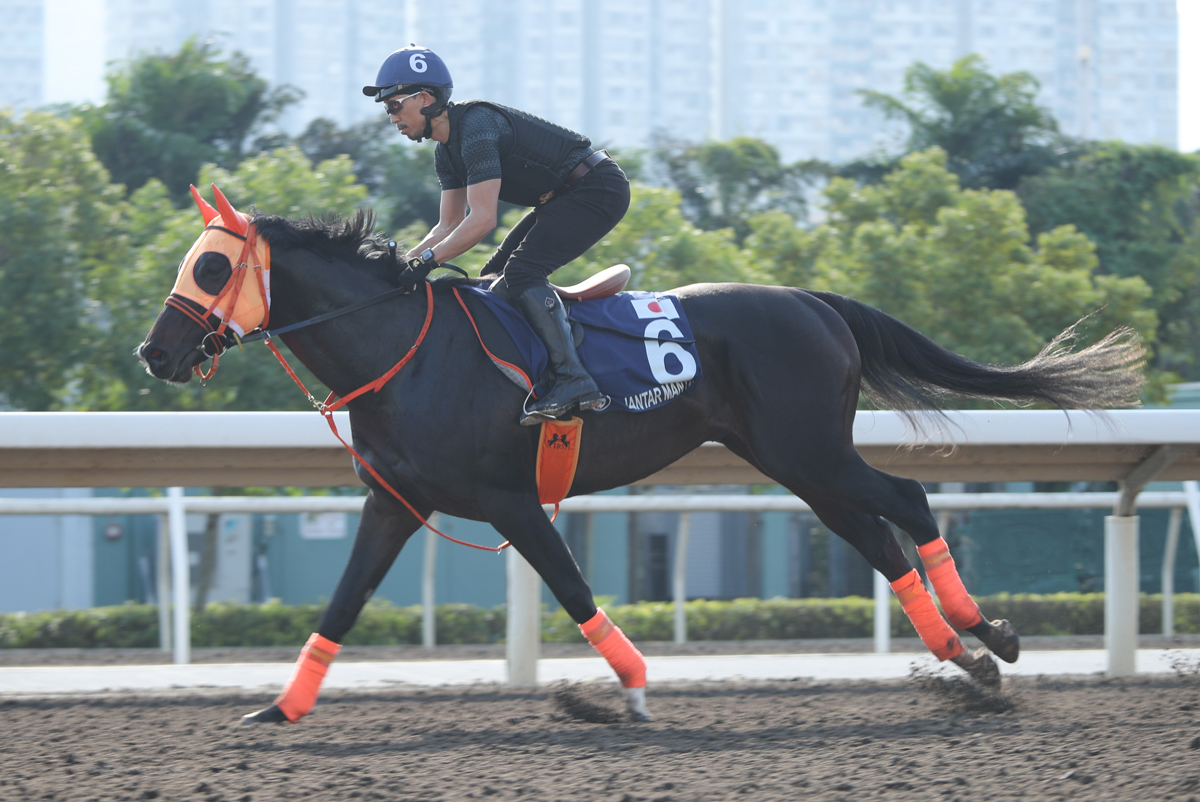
(75,59)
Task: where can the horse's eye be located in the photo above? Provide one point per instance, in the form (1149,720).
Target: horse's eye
(212,271)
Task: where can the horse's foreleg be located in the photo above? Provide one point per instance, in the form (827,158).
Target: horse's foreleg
(384,528)
(521,520)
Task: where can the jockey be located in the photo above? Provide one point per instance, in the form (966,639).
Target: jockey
(488,153)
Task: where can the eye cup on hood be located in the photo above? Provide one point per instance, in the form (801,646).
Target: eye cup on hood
(212,271)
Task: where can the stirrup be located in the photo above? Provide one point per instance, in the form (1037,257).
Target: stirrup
(594,400)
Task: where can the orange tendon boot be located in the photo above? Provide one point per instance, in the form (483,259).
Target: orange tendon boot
(961,610)
(300,694)
(608,639)
(918,605)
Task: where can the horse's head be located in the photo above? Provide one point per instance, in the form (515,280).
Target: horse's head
(223,286)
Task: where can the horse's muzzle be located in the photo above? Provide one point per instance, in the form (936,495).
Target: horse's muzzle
(161,365)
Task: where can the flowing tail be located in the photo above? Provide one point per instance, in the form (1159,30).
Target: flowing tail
(903,369)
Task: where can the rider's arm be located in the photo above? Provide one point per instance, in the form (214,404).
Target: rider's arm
(451,212)
(481,199)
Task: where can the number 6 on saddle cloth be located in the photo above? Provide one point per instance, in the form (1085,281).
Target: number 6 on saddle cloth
(638,346)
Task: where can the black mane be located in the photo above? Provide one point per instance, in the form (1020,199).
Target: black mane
(348,239)
(331,235)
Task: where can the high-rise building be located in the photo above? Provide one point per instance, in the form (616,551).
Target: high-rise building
(21,43)
(623,71)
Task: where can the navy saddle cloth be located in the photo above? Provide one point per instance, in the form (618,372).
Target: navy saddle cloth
(638,346)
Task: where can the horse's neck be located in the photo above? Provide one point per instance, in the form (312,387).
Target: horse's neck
(348,351)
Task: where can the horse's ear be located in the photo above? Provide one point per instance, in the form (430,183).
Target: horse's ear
(206,208)
(230,216)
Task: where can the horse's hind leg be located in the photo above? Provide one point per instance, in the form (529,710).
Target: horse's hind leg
(903,501)
(833,477)
(874,539)
(520,519)
(383,530)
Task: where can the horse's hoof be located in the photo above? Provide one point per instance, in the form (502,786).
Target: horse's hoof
(268,715)
(1001,637)
(980,666)
(635,703)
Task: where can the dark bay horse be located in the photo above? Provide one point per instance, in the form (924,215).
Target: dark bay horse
(783,369)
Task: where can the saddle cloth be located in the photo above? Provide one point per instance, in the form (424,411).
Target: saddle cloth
(638,346)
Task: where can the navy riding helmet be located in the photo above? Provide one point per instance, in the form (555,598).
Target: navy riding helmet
(413,66)
(410,69)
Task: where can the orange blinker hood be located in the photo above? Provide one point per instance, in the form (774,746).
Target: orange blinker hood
(213,286)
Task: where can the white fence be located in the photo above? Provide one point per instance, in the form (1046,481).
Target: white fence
(524,586)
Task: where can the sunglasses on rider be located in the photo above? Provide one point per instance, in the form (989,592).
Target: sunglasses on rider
(393,105)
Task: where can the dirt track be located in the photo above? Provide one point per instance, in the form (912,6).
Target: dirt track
(922,739)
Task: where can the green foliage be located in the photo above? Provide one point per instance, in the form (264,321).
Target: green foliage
(167,115)
(1139,205)
(990,127)
(722,184)
(60,219)
(382,624)
(955,264)
(409,191)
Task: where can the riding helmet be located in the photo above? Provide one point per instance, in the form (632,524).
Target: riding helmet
(412,66)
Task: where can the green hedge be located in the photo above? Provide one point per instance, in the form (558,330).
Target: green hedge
(382,624)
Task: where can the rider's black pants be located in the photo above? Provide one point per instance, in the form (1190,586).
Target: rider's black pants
(549,236)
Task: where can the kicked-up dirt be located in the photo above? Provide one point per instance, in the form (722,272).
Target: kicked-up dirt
(927,738)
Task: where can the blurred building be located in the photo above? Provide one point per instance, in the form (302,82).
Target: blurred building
(623,70)
(21,47)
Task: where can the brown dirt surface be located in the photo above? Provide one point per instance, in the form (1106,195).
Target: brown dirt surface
(925,738)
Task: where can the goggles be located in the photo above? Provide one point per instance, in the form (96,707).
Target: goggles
(392,105)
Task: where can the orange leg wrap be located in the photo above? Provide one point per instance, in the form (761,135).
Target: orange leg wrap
(960,608)
(608,639)
(300,694)
(918,605)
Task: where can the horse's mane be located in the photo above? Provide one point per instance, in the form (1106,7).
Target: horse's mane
(351,239)
(329,235)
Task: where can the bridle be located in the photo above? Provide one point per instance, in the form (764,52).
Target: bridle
(227,333)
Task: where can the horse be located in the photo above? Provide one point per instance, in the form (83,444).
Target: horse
(783,369)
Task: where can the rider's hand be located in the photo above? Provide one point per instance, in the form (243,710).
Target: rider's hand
(413,276)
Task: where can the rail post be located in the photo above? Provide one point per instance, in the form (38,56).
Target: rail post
(180,575)
(1168,571)
(679,584)
(428,587)
(524,642)
(883,614)
(1121,594)
(162,576)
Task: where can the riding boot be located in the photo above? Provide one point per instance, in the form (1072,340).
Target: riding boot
(541,306)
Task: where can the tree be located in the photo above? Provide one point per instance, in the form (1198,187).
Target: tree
(723,184)
(59,219)
(1139,204)
(130,293)
(166,115)
(991,128)
(955,264)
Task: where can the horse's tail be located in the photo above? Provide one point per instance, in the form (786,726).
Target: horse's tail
(905,370)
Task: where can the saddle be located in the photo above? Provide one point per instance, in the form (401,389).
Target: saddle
(607,282)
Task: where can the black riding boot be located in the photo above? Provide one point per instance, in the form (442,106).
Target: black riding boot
(572,384)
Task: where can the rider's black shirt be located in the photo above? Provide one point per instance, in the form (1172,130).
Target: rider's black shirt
(531,156)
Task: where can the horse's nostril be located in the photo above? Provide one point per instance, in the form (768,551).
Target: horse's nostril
(154,354)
